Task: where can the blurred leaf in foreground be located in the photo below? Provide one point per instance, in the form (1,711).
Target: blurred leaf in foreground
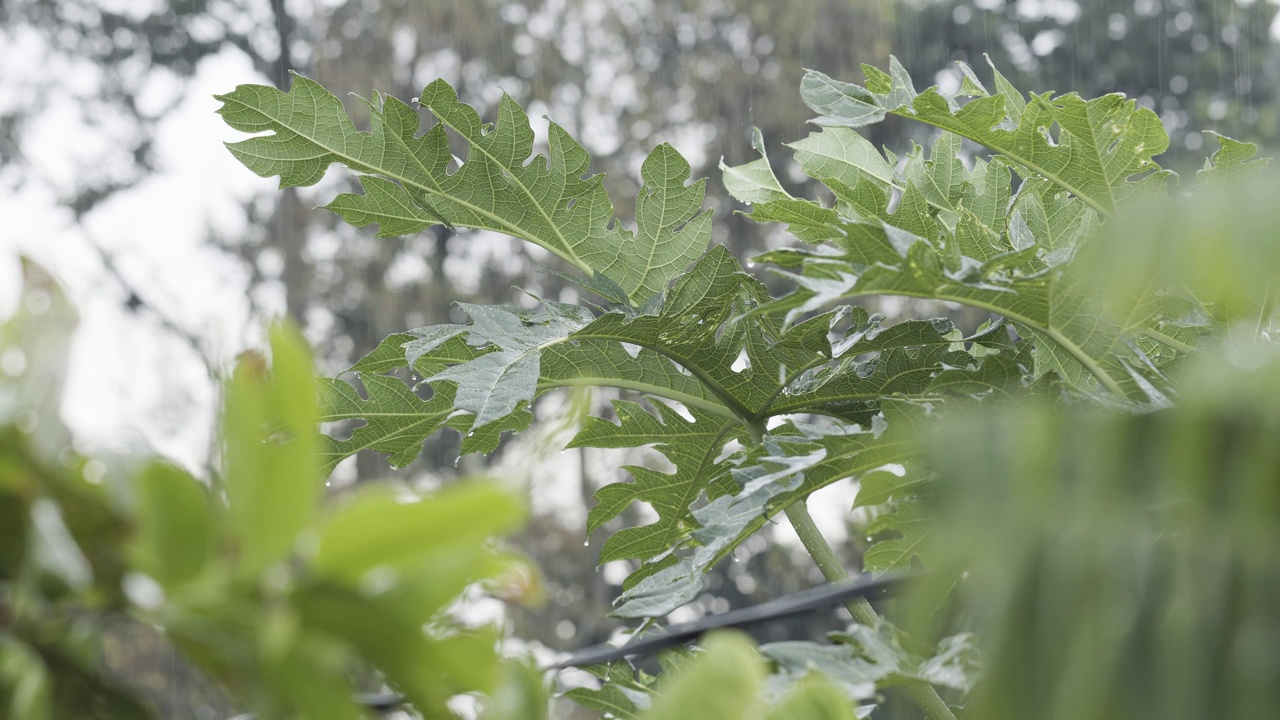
(267,591)
(1126,565)
(1220,246)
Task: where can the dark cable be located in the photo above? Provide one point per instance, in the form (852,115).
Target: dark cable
(794,604)
(786,606)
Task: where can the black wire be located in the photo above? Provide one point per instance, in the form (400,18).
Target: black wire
(785,606)
(794,604)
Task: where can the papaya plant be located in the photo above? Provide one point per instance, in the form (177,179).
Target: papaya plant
(758,401)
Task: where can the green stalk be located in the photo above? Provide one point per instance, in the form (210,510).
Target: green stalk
(798,513)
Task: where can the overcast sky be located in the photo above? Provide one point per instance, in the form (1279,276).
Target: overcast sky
(134,386)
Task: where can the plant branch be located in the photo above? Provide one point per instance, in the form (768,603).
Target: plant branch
(136,301)
(828,563)
(924,695)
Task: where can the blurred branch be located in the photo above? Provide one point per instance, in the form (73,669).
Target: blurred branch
(136,302)
(284,33)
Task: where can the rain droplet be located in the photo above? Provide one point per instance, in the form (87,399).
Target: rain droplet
(586,543)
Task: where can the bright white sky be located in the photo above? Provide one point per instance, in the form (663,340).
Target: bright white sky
(134,386)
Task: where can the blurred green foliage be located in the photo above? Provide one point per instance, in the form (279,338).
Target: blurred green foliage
(277,596)
(1128,565)
(1219,248)
(729,679)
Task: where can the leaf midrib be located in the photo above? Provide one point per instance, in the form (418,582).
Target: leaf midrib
(572,257)
(903,452)
(1006,152)
(1054,334)
(422,420)
(738,410)
(693,488)
(362,166)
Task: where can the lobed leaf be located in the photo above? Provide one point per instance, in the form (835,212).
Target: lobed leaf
(413,181)
(1100,145)
(793,462)
(863,661)
(691,445)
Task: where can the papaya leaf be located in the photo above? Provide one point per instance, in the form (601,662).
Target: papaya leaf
(793,462)
(494,384)
(610,699)
(1007,270)
(692,446)
(626,692)
(397,421)
(694,349)
(1099,147)
(1232,160)
(881,486)
(796,459)
(410,182)
(907,529)
(864,661)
